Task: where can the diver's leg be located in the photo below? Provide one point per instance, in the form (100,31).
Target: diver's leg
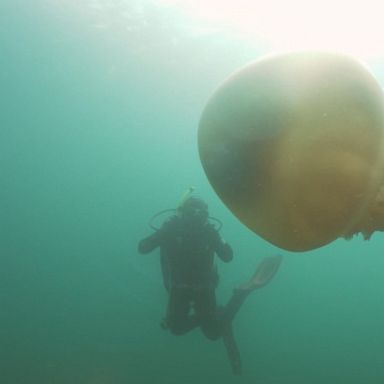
(179,321)
(207,314)
(213,324)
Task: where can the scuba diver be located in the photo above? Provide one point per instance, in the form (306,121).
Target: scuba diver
(188,242)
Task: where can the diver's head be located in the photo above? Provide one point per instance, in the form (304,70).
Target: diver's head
(194,210)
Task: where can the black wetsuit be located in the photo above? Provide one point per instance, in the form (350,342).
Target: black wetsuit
(187,260)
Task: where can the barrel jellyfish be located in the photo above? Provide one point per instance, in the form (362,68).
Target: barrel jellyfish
(293,145)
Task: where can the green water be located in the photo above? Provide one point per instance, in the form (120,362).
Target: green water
(98,121)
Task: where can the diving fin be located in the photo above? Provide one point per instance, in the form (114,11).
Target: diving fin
(264,273)
(232,349)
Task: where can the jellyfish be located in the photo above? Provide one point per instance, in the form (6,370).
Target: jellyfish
(293,145)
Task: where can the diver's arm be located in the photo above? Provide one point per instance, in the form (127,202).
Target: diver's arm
(223,249)
(149,243)
(153,241)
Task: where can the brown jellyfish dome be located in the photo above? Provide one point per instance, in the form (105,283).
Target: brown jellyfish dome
(293,145)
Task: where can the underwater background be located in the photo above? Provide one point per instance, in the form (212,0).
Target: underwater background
(100,103)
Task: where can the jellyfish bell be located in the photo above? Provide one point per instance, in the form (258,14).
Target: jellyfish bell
(293,145)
